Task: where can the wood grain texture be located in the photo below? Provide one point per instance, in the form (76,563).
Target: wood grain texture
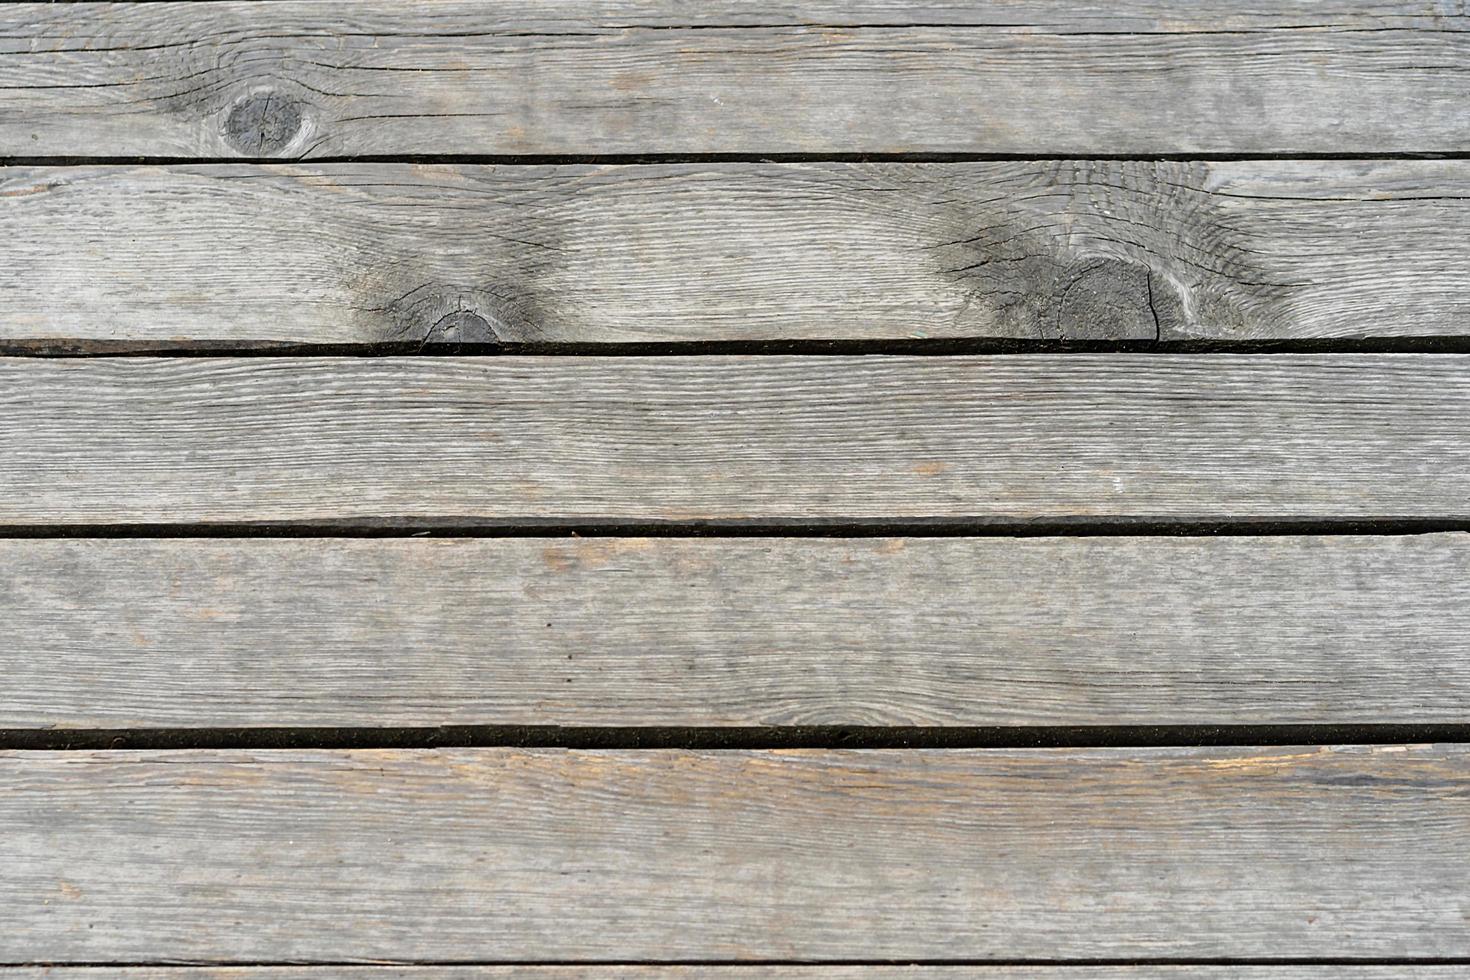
(519,855)
(747,971)
(297,79)
(342,253)
(599,439)
(118,634)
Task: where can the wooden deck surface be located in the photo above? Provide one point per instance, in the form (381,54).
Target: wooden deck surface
(861,490)
(475,854)
(342,253)
(953,632)
(294,78)
(735,438)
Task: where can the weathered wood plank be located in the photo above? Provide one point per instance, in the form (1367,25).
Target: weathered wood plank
(519,855)
(744,971)
(337,253)
(297,79)
(667,632)
(600,439)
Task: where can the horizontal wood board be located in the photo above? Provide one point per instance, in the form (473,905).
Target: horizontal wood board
(518,855)
(1035,250)
(734,439)
(112,634)
(297,79)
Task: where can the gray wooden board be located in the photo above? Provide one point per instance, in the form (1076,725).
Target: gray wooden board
(297,79)
(748,971)
(518,855)
(739,439)
(334,253)
(669,632)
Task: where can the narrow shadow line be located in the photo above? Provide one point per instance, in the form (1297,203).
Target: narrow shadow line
(741,738)
(933,347)
(530,527)
(657,158)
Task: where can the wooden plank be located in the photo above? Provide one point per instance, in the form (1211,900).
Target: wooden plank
(116,634)
(518,855)
(1077,249)
(298,79)
(734,439)
(754,971)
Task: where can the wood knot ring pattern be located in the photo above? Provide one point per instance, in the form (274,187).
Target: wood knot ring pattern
(263,124)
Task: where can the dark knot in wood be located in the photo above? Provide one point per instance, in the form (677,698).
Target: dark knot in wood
(461,327)
(457,313)
(263,124)
(1107,299)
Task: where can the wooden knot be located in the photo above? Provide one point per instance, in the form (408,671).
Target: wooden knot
(437,313)
(1107,299)
(461,327)
(263,124)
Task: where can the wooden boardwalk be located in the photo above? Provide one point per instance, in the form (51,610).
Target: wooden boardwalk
(861,490)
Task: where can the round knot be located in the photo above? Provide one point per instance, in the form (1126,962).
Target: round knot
(1107,299)
(263,124)
(461,327)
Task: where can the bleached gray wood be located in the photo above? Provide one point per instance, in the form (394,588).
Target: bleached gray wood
(749,971)
(297,79)
(735,439)
(340,253)
(111,634)
(522,855)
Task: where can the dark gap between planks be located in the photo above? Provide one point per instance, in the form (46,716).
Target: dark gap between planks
(626,159)
(451,527)
(743,738)
(932,347)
